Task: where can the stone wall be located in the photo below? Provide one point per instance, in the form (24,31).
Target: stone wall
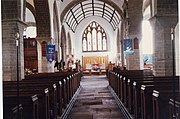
(11,24)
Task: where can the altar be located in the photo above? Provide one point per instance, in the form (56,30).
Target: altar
(95,65)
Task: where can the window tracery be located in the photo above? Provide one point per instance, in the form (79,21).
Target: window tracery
(94,38)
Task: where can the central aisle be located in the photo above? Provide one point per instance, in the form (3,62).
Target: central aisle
(95,100)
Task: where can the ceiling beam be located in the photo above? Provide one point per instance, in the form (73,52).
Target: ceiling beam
(93,6)
(112,15)
(103,9)
(82,9)
(74,16)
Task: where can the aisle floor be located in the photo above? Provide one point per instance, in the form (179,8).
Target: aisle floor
(95,100)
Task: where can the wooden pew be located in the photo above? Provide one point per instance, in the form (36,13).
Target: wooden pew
(160,103)
(137,92)
(69,83)
(174,109)
(124,75)
(10,111)
(146,97)
(28,101)
(62,95)
(59,91)
(127,81)
(131,94)
(46,94)
(140,79)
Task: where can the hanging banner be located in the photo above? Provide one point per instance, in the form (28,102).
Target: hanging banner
(147,58)
(128,46)
(50,53)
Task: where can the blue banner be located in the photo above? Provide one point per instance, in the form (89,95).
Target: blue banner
(128,46)
(50,53)
(147,58)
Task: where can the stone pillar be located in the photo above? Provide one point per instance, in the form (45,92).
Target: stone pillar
(162,57)
(177,50)
(11,24)
(43,64)
(134,15)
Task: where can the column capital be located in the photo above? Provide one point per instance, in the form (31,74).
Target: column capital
(164,21)
(47,39)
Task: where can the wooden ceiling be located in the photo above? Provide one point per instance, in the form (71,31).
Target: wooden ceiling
(90,8)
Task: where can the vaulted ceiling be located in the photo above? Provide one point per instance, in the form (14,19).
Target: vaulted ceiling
(89,8)
(74,11)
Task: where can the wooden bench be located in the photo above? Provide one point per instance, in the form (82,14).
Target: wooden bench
(119,78)
(10,111)
(28,101)
(46,94)
(139,79)
(174,108)
(137,92)
(10,87)
(67,84)
(61,87)
(160,101)
(146,97)
(59,90)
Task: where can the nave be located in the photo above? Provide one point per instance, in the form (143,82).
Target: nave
(95,100)
(128,94)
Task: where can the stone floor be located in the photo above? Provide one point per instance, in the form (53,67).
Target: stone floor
(95,101)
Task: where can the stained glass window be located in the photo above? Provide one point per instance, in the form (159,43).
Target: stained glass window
(94,38)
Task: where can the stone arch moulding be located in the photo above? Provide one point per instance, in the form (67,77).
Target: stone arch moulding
(69,44)
(146,3)
(42,18)
(56,24)
(31,8)
(63,43)
(118,41)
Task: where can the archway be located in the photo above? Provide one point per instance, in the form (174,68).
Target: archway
(69,44)
(63,44)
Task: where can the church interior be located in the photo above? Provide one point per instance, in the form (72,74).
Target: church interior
(62,57)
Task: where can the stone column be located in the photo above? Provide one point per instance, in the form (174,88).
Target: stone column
(162,57)
(43,64)
(11,24)
(135,18)
(9,50)
(177,50)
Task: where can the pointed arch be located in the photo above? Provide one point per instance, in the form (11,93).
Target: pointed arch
(56,24)
(63,43)
(69,44)
(94,38)
(118,42)
(42,18)
(31,8)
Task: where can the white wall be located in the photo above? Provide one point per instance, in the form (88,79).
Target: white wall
(1,75)
(111,39)
(177,50)
(51,18)
(31,30)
